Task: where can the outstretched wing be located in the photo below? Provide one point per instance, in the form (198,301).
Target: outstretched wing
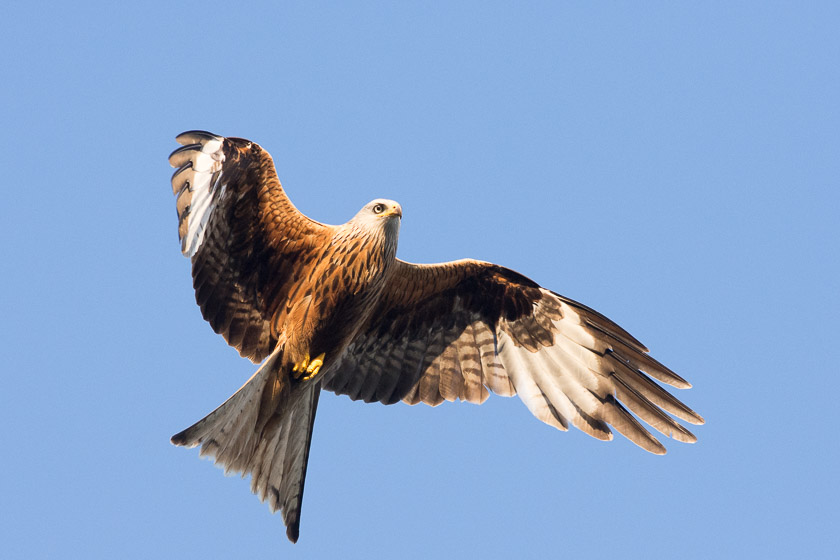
(246,239)
(462,329)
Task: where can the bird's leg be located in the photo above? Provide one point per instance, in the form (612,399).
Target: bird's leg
(306,369)
(314,367)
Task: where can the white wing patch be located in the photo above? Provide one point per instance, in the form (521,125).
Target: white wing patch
(196,183)
(540,397)
(557,382)
(556,388)
(575,381)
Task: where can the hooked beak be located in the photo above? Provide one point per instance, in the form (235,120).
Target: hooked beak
(394,210)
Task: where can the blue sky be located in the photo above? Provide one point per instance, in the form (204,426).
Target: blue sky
(674,165)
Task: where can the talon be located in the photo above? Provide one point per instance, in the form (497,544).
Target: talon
(301,366)
(314,367)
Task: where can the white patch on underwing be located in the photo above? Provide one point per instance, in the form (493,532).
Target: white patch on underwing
(207,173)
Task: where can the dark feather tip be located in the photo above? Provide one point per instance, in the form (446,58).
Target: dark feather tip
(293,532)
(179,439)
(196,136)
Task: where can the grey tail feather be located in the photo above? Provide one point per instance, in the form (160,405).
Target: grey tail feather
(278,469)
(273,448)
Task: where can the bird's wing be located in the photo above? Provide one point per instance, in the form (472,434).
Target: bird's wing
(246,239)
(462,329)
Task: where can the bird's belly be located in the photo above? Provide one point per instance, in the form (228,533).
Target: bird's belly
(336,329)
(326,326)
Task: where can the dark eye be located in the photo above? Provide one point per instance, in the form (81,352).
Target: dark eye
(378,208)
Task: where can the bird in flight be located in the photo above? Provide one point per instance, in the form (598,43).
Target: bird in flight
(322,306)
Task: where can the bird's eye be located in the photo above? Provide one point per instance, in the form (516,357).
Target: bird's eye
(379,208)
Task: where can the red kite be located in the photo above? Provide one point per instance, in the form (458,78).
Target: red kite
(332,307)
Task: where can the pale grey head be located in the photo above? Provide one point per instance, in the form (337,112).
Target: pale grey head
(380,213)
(380,217)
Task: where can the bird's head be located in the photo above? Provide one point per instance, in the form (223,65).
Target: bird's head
(381,215)
(383,208)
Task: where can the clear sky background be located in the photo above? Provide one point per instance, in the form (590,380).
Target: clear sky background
(673,165)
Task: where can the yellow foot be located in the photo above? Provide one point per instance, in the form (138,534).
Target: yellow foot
(307,367)
(314,367)
(300,367)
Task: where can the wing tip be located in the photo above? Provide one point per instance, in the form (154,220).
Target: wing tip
(186,438)
(180,157)
(293,532)
(674,380)
(196,137)
(684,437)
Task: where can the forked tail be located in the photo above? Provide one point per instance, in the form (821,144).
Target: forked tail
(264,429)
